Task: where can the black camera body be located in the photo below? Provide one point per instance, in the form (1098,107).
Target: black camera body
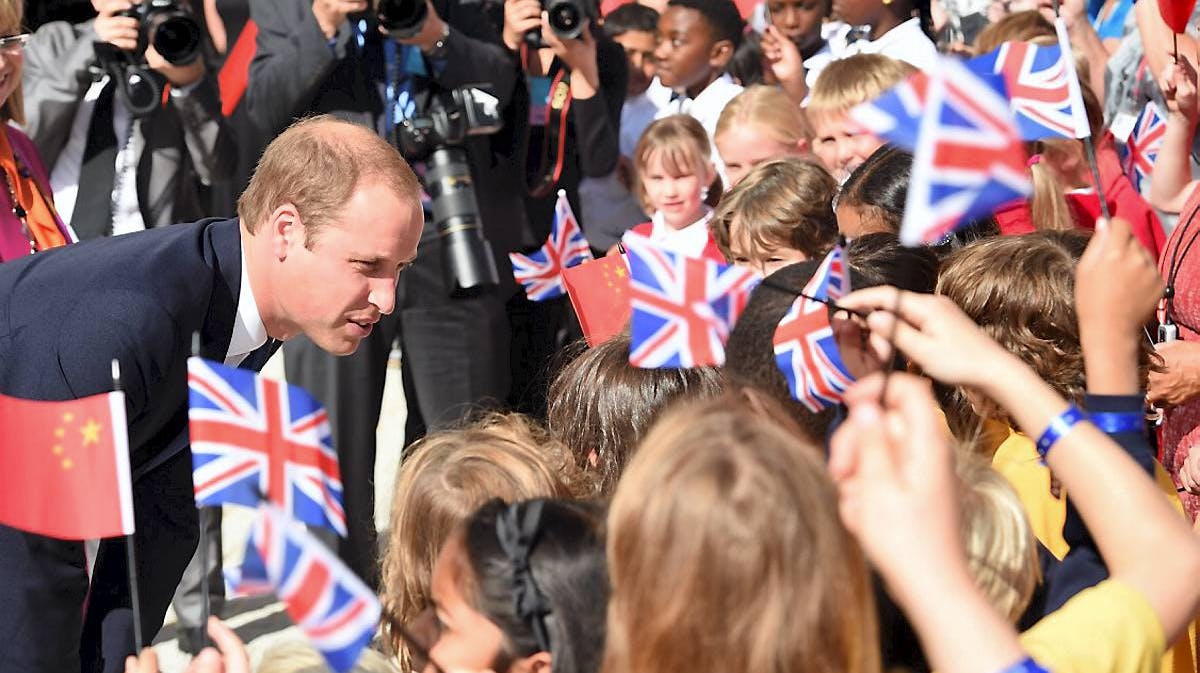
(435,137)
(566,19)
(404,18)
(169,27)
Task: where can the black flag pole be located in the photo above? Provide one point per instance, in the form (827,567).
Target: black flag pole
(130,553)
(1083,130)
(202,548)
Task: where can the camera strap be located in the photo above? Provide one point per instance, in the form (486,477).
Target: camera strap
(554,140)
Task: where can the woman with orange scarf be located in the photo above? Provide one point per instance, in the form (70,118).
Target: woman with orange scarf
(28,221)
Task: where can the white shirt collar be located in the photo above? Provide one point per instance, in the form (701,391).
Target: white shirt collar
(249,332)
(906,42)
(689,241)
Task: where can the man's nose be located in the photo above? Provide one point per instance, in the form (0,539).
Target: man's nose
(383,294)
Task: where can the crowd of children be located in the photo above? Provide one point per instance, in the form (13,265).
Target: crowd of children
(1007,485)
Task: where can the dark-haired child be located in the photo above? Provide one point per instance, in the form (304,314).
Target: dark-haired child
(635,28)
(696,40)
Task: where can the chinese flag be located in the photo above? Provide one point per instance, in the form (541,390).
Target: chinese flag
(599,291)
(64,467)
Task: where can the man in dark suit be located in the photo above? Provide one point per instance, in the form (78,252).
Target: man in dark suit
(330,56)
(329,219)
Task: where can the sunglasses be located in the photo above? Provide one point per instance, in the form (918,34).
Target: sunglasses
(13,43)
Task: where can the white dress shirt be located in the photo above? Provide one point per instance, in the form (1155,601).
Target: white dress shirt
(906,42)
(249,332)
(689,241)
(64,176)
(638,112)
(706,107)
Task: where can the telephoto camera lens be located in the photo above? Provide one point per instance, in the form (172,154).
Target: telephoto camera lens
(466,254)
(566,18)
(175,35)
(402,18)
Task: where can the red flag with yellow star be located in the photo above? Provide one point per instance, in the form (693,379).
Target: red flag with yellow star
(599,291)
(64,467)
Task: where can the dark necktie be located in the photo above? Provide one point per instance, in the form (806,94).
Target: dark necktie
(92,217)
(259,356)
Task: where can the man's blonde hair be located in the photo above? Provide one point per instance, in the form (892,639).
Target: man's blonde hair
(855,79)
(768,108)
(12,16)
(316,165)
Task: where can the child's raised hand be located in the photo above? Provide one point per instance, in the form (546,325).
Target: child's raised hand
(1117,284)
(894,469)
(931,332)
(1178,85)
(782,56)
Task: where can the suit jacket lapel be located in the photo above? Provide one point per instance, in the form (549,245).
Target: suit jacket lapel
(223,252)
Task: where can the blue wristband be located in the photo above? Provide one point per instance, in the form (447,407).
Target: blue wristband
(1112,422)
(1059,426)
(1026,666)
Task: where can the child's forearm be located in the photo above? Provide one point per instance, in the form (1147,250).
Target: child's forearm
(1172,181)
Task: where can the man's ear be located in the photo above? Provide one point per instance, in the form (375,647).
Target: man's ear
(538,662)
(285,229)
(720,55)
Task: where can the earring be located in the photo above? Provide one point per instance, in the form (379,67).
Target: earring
(704,194)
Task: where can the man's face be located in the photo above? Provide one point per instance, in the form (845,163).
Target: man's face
(799,21)
(639,51)
(685,49)
(335,291)
(841,144)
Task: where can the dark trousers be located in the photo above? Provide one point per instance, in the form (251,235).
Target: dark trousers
(455,359)
(44,585)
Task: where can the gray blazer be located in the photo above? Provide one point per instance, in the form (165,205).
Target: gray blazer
(186,143)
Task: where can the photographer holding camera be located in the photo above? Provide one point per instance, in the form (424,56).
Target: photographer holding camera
(123,155)
(570,99)
(433,78)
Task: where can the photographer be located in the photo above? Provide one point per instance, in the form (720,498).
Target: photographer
(560,49)
(332,56)
(124,158)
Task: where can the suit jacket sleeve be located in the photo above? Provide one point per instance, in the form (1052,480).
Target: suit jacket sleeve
(209,138)
(293,58)
(54,81)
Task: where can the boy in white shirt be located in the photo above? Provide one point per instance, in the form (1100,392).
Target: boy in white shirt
(696,39)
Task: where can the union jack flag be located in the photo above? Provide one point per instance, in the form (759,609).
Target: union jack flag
(335,609)
(1039,92)
(805,348)
(541,272)
(683,308)
(1144,142)
(967,156)
(253,438)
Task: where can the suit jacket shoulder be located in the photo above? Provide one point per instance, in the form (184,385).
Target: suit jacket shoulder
(66,313)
